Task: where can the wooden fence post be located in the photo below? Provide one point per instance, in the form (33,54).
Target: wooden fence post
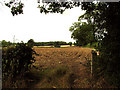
(94,54)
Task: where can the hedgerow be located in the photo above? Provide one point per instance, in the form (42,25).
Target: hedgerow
(16,59)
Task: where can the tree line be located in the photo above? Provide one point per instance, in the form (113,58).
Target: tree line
(32,43)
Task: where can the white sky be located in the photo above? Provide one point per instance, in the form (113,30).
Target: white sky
(34,25)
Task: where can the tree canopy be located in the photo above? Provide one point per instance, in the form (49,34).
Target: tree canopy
(16,6)
(106,17)
(82,33)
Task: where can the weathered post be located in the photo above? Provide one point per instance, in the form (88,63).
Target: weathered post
(94,54)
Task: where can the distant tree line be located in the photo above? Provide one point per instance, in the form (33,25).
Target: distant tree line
(32,43)
(51,43)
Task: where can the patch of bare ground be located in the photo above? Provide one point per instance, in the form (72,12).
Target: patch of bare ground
(61,68)
(50,58)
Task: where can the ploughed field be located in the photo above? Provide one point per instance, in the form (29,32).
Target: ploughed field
(61,68)
(52,57)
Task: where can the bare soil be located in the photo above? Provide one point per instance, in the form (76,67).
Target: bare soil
(66,57)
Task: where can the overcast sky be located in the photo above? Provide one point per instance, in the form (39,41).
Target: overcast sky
(34,25)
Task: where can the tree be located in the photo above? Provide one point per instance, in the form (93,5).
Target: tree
(5,43)
(70,43)
(106,17)
(16,6)
(82,33)
(56,44)
(30,43)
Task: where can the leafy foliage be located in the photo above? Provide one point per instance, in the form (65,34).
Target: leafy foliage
(50,43)
(16,60)
(82,33)
(5,43)
(57,7)
(30,43)
(106,17)
(56,44)
(70,43)
(15,6)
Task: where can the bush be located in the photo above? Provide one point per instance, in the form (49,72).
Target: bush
(70,43)
(107,67)
(56,44)
(16,60)
(30,43)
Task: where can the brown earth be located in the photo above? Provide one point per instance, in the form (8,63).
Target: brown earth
(66,57)
(50,69)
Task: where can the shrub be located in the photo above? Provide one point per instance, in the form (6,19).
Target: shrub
(56,44)
(30,43)
(70,43)
(16,60)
